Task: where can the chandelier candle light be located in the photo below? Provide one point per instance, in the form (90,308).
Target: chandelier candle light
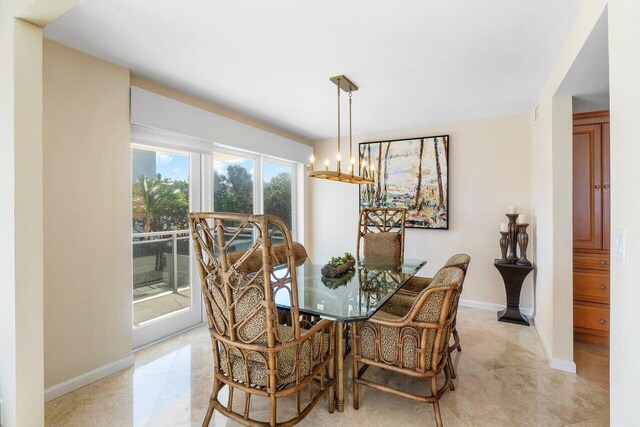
(351,177)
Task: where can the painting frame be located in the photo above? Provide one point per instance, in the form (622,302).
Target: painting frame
(419,222)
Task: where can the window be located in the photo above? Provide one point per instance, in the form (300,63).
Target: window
(277,182)
(233,183)
(245,183)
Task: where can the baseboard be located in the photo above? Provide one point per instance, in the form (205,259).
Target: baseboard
(563,365)
(490,306)
(175,334)
(558,364)
(75,383)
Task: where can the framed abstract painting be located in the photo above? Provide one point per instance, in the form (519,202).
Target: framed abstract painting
(411,173)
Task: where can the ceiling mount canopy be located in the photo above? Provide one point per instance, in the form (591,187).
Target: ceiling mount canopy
(351,176)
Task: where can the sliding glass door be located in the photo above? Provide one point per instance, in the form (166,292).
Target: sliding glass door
(168,181)
(165,187)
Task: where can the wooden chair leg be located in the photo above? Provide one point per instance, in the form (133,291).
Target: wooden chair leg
(273,407)
(436,404)
(456,337)
(447,374)
(214,395)
(356,386)
(436,409)
(207,418)
(332,389)
(452,369)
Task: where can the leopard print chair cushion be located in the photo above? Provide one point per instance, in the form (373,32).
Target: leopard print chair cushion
(382,245)
(416,284)
(279,254)
(397,310)
(257,362)
(459,260)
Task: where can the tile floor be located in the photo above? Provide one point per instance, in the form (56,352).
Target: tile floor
(503,380)
(149,309)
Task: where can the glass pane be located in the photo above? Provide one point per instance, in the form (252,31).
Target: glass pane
(354,295)
(277,180)
(233,189)
(161,251)
(232,183)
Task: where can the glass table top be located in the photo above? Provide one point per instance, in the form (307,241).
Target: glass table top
(354,295)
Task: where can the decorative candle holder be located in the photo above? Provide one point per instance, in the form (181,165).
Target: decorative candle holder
(504,245)
(523,241)
(513,234)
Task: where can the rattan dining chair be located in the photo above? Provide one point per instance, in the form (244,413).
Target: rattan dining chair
(252,352)
(375,232)
(415,285)
(379,243)
(411,341)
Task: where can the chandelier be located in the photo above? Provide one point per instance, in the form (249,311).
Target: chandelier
(352,174)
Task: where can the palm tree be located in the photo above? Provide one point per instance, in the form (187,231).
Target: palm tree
(153,197)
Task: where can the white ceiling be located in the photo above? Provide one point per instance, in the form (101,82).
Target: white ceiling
(417,62)
(588,78)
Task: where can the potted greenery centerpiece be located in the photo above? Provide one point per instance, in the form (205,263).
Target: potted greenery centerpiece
(338,265)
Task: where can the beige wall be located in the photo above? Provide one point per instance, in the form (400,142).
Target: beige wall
(551,198)
(624,64)
(489,170)
(21,215)
(21,363)
(87,213)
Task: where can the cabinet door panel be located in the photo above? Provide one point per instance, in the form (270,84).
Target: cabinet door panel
(587,187)
(593,316)
(592,287)
(606,189)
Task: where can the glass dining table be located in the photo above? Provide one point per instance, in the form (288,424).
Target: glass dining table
(353,296)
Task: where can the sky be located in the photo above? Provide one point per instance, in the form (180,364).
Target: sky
(172,166)
(176,166)
(269,170)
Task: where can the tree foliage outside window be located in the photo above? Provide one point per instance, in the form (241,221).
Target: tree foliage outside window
(160,204)
(277,197)
(233,190)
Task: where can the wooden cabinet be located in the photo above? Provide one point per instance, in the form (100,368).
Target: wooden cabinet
(591,226)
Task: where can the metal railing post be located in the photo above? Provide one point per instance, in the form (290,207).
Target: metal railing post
(174,239)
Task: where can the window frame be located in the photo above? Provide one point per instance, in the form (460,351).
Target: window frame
(258,181)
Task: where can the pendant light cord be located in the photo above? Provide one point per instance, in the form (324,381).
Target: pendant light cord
(350,137)
(338,157)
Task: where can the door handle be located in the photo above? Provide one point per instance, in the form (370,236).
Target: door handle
(603,262)
(596,186)
(603,287)
(606,186)
(602,321)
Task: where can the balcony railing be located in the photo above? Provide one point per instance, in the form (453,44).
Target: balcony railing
(160,262)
